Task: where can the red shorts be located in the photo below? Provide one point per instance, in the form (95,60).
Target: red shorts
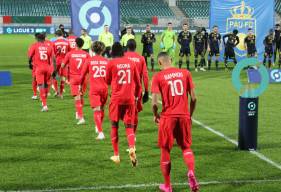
(43,75)
(171,128)
(98,98)
(124,112)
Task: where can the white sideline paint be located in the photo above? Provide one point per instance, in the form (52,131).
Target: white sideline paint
(258,154)
(148,185)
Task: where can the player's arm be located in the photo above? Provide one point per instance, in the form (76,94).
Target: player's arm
(84,72)
(224,37)
(65,61)
(108,76)
(145,81)
(192,101)
(237,41)
(155,94)
(138,89)
(31,53)
(180,38)
(111,39)
(143,41)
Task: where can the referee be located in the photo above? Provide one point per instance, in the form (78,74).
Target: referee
(87,40)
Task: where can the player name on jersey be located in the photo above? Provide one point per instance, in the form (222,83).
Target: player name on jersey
(123,66)
(173,75)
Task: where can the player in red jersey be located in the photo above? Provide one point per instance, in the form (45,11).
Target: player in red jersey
(75,60)
(122,75)
(32,66)
(61,48)
(72,41)
(174,85)
(142,69)
(42,56)
(96,68)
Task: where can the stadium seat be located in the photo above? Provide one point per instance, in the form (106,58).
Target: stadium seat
(194,9)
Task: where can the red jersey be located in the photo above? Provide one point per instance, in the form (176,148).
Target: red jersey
(122,75)
(61,48)
(75,60)
(71,40)
(48,42)
(96,67)
(174,85)
(141,66)
(41,54)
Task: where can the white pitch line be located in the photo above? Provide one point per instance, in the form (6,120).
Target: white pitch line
(256,153)
(149,185)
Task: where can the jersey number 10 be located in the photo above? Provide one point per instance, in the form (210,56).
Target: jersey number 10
(176,87)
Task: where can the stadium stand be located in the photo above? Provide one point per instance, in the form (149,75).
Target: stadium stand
(278,6)
(144,8)
(194,9)
(34,7)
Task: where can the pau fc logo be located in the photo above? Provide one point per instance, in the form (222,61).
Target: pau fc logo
(241,19)
(276,75)
(93,15)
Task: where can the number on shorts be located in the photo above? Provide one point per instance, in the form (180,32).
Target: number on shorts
(99,71)
(124,74)
(176,87)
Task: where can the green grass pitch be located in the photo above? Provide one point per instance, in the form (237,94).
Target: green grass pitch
(48,151)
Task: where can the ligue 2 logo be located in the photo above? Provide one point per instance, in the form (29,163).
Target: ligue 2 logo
(251,106)
(93,15)
(276,75)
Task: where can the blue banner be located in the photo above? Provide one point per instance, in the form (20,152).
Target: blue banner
(92,15)
(25,30)
(255,77)
(241,15)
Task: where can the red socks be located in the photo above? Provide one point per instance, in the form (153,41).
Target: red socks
(114,140)
(79,108)
(130,137)
(165,165)
(61,87)
(188,159)
(55,83)
(98,120)
(34,87)
(43,96)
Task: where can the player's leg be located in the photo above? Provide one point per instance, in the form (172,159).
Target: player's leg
(226,57)
(42,77)
(165,142)
(181,54)
(79,109)
(62,82)
(202,61)
(188,61)
(98,121)
(34,87)
(114,118)
(210,55)
(55,81)
(165,166)
(184,139)
(128,116)
(279,62)
(264,58)
(217,61)
(114,141)
(196,60)
(270,60)
(152,60)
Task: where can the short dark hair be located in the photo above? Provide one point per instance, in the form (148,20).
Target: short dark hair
(41,37)
(36,35)
(169,23)
(131,45)
(215,26)
(59,33)
(84,30)
(250,29)
(61,25)
(117,50)
(235,31)
(277,25)
(98,47)
(79,42)
(184,24)
(162,54)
